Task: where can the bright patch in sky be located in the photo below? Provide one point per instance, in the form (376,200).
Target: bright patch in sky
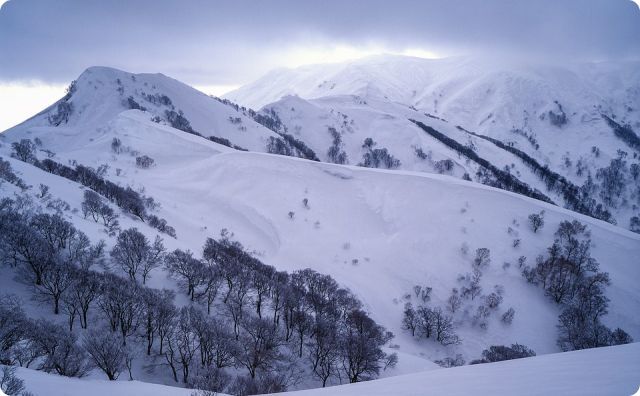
(305,56)
(20,101)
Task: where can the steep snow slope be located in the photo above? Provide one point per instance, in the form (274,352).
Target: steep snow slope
(377,232)
(602,371)
(101,93)
(556,115)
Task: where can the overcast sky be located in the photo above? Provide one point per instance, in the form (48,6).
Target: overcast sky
(221,44)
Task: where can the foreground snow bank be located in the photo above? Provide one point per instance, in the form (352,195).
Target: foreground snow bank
(602,371)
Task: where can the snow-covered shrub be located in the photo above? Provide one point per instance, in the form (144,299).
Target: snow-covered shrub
(116,145)
(449,362)
(377,158)
(612,181)
(24,150)
(443,166)
(558,118)
(482,258)
(179,121)
(144,162)
(62,114)
(454,302)
(423,293)
(132,104)
(470,288)
(161,225)
(6,173)
(335,153)
(507,316)
(481,315)
(43,191)
(493,300)
(158,99)
(464,248)
(421,154)
(498,353)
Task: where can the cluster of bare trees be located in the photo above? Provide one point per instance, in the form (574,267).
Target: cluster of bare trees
(466,302)
(275,318)
(571,278)
(242,316)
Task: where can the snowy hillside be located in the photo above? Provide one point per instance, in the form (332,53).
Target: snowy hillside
(575,119)
(389,236)
(601,371)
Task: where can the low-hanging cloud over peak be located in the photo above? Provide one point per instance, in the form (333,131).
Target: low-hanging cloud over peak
(228,42)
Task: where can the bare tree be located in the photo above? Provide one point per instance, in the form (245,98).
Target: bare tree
(106,352)
(82,293)
(362,356)
(324,351)
(536,221)
(258,346)
(55,281)
(187,269)
(454,302)
(135,255)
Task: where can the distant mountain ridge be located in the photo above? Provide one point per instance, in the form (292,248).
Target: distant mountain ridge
(581,121)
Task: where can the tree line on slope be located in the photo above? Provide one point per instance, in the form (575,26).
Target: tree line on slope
(572,194)
(127,199)
(499,179)
(286,144)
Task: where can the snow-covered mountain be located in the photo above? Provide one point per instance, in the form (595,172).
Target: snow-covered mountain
(100,94)
(378,232)
(574,120)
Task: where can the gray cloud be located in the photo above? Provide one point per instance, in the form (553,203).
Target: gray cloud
(228,42)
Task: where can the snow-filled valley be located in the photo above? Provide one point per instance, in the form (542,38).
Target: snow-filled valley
(380,233)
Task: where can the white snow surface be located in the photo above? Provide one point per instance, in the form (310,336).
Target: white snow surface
(602,371)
